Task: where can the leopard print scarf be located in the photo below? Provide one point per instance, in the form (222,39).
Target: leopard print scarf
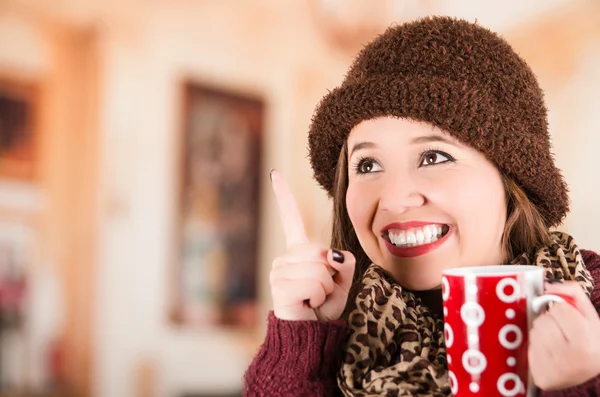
(396,345)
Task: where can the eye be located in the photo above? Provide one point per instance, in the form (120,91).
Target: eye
(367,166)
(433,157)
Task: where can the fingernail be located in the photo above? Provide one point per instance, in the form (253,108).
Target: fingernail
(271,174)
(337,256)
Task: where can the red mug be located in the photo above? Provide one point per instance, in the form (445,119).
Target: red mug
(488,311)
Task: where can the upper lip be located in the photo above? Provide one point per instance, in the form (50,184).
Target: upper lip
(408,225)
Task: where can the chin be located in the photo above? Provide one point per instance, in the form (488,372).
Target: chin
(420,285)
(419,277)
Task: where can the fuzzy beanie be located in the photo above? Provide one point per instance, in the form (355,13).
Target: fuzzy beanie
(461,78)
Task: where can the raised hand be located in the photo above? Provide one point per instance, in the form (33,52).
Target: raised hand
(309,281)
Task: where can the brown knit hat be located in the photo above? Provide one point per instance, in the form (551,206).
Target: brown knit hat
(461,78)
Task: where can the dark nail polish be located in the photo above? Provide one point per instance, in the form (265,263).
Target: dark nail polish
(271,174)
(337,256)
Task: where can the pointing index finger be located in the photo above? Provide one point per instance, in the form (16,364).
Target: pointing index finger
(291,219)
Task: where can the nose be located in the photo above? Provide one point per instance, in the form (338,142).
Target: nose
(400,194)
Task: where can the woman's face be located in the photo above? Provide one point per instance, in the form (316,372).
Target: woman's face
(421,202)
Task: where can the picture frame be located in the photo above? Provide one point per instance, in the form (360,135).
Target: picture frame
(215,277)
(19,121)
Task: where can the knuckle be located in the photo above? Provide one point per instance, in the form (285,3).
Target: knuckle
(277,262)
(319,295)
(314,286)
(274,275)
(323,272)
(281,291)
(276,290)
(316,291)
(319,301)
(303,253)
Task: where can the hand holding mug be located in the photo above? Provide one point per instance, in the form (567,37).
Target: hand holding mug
(309,281)
(496,332)
(564,342)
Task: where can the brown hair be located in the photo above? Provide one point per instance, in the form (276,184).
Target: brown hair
(524,232)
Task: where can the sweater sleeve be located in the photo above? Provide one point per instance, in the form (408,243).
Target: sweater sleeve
(591,387)
(297,358)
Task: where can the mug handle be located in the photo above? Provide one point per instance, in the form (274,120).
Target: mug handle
(542,301)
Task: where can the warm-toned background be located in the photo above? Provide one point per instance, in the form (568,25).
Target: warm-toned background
(103,205)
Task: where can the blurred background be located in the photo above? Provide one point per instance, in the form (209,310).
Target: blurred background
(137,227)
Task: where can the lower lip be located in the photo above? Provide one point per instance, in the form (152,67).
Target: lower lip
(410,252)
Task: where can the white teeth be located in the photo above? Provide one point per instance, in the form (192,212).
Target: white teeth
(402,238)
(428,232)
(420,237)
(416,236)
(411,238)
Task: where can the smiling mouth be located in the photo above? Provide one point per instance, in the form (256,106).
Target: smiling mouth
(416,236)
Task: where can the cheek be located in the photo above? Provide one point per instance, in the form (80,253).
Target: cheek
(361,203)
(480,213)
(355,206)
(488,203)
(360,206)
(491,204)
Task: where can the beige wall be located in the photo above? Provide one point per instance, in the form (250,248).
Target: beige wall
(137,57)
(566,57)
(59,60)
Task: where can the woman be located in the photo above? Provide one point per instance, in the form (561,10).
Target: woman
(436,152)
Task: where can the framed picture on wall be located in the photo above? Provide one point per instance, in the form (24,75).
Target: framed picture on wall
(217,235)
(18,125)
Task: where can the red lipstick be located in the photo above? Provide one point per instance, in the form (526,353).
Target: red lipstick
(407,225)
(410,252)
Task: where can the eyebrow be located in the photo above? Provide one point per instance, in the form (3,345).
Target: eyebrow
(362,145)
(432,138)
(418,140)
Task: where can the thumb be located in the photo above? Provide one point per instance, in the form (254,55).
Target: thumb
(343,262)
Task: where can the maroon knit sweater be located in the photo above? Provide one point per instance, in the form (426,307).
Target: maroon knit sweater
(298,358)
